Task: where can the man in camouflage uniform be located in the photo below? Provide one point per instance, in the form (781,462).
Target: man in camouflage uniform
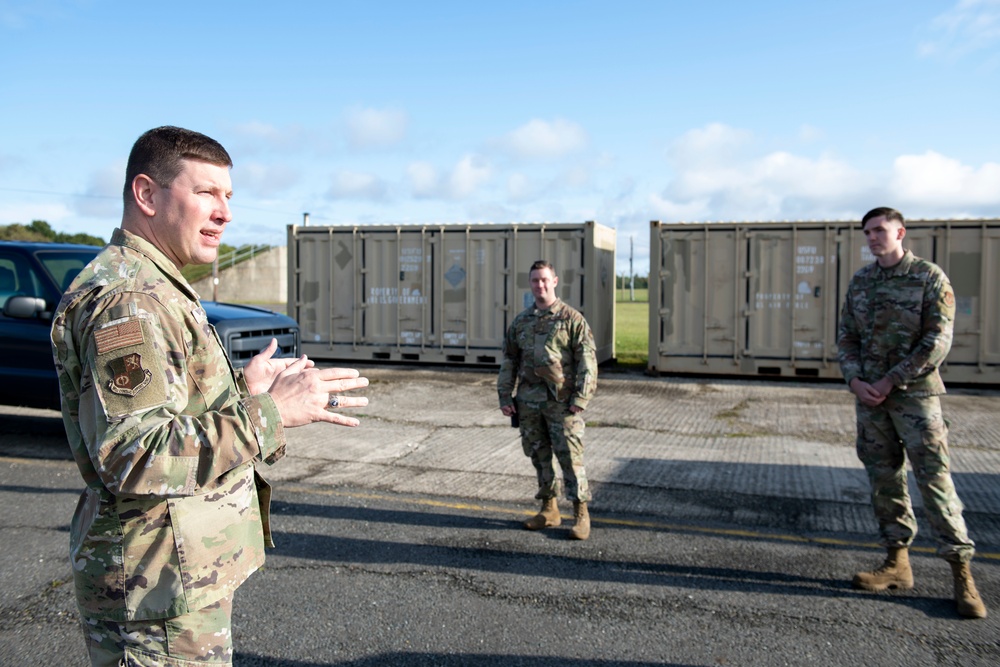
(895,330)
(166,434)
(549,355)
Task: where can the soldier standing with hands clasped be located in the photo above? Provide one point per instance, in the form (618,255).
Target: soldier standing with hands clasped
(167,435)
(549,355)
(895,331)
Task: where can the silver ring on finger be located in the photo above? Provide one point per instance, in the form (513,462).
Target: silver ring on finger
(334,401)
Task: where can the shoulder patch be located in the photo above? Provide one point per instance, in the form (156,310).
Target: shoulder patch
(116,336)
(129,377)
(130,368)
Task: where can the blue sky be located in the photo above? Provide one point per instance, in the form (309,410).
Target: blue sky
(454,112)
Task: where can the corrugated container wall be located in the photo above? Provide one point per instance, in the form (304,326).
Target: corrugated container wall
(440,294)
(765,298)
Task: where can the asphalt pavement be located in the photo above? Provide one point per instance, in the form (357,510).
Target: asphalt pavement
(728,518)
(756,454)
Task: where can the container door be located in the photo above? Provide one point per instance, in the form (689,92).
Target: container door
(325,285)
(971,258)
(700,294)
(787,283)
(396,287)
(471,279)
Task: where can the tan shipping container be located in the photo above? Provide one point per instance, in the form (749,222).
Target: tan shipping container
(764,299)
(440,293)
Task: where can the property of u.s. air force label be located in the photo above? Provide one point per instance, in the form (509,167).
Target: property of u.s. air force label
(128,376)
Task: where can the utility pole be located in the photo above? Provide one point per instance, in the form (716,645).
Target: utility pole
(215,278)
(631,275)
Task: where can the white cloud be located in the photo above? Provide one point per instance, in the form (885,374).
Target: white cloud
(520,188)
(711,144)
(424,180)
(256,179)
(471,173)
(539,139)
(375,128)
(357,185)
(718,177)
(102,198)
(577,176)
(937,181)
(665,209)
(255,137)
(971,25)
(23,213)
(465,179)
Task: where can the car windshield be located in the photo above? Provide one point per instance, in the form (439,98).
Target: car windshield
(64,265)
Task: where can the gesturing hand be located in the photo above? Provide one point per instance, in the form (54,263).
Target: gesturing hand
(302,393)
(261,371)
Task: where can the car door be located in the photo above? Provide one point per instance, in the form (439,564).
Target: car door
(27,375)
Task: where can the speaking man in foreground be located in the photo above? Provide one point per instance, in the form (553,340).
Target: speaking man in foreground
(166,434)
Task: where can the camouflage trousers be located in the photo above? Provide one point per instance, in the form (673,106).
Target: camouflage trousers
(913,428)
(548,429)
(200,638)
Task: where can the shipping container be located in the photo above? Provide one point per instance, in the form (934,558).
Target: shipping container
(764,299)
(440,293)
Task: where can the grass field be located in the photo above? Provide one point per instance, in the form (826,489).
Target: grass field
(632,329)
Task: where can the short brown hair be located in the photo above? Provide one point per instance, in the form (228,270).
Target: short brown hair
(889,213)
(158,153)
(542,264)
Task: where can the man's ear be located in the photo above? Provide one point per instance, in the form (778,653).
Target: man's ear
(144,190)
(901,233)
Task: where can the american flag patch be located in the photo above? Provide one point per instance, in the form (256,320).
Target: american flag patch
(118,336)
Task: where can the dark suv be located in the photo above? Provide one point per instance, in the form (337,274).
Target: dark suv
(33,277)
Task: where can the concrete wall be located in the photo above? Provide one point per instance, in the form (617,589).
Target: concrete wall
(263,280)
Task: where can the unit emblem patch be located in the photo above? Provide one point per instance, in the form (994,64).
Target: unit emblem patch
(129,377)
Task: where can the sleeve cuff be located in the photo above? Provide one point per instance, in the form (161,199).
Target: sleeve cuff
(268,429)
(241,383)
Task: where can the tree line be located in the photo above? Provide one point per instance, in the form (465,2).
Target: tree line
(39,230)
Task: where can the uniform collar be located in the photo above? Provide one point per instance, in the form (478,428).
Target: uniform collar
(140,245)
(556,305)
(902,267)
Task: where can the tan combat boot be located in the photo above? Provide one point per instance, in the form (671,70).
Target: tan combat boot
(894,573)
(967,599)
(549,516)
(581,529)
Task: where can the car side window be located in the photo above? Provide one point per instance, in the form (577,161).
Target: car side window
(18,278)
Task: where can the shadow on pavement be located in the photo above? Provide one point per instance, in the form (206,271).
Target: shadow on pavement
(445,660)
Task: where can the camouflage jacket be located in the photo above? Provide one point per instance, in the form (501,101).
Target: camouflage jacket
(165,434)
(549,355)
(898,323)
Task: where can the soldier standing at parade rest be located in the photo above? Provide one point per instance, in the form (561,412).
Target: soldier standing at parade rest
(165,432)
(549,355)
(895,331)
